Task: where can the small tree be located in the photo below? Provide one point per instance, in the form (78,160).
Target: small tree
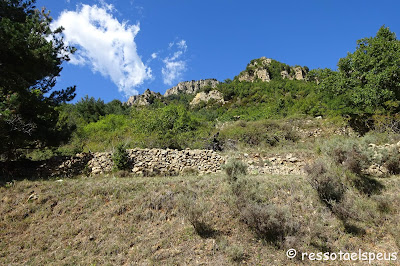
(120,158)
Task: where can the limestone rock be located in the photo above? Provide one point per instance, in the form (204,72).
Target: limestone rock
(263,67)
(205,97)
(300,74)
(143,99)
(285,75)
(191,87)
(257,69)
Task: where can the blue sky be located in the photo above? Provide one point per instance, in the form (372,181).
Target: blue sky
(125,47)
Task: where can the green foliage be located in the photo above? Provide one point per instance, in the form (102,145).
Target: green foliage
(256,133)
(89,109)
(120,158)
(31,55)
(368,79)
(171,126)
(393,164)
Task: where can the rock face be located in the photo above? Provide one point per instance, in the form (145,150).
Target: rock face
(143,99)
(299,73)
(263,68)
(205,97)
(191,87)
(252,75)
(256,69)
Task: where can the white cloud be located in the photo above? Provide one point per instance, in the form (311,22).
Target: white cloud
(154,55)
(172,71)
(182,45)
(174,65)
(105,44)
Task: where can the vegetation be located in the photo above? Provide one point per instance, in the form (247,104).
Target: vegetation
(120,158)
(338,203)
(31,56)
(132,220)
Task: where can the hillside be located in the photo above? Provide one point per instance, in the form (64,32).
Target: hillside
(236,172)
(190,219)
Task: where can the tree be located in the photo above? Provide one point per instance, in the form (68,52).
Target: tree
(31,55)
(369,79)
(90,110)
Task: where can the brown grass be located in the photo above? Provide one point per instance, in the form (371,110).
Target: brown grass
(140,221)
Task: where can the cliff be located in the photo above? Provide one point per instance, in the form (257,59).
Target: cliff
(267,69)
(143,99)
(191,87)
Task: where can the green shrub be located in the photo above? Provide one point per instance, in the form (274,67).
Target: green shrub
(120,158)
(269,222)
(234,169)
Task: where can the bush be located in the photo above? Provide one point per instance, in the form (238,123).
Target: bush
(120,158)
(236,253)
(393,164)
(195,211)
(353,155)
(269,222)
(355,161)
(328,185)
(234,169)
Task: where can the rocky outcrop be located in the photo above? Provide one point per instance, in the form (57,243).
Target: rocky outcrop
(143,99)
(256,69)
(261,74)
(299,73)
(191,87)
(263,68)
(205,97)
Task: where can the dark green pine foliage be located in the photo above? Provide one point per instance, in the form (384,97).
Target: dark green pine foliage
(31,55)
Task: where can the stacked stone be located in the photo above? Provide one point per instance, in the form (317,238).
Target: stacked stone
(101,163)
(278,165)
(172,162)
(161,162)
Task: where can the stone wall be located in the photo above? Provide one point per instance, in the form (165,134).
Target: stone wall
(145,162)
(161,162)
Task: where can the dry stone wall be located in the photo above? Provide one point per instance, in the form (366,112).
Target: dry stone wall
(161,162)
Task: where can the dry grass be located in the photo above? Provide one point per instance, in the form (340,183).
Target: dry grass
(141,221)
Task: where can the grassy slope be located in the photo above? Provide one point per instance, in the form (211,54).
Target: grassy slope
(140,220)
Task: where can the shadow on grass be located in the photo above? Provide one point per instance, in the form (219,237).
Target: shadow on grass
(204,230)
(41,170)
(353,229)
(368,185)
